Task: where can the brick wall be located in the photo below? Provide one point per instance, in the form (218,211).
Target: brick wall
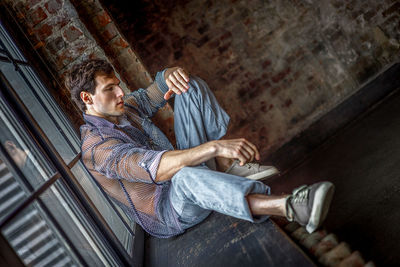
(63,36)
(275,66)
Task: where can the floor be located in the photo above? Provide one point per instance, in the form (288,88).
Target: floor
(363,161)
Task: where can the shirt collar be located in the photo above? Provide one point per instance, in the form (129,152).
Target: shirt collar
(97,121)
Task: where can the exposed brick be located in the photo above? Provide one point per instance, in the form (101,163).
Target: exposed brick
(38,45)
(275,90)
(116,46)
(190,24)
(55,45)
(178,55)
(53,6)
(281,75)
(214,44)
(369,15)
(222,49)
(225,36)
(265,64)
(126,58)
(72,33)
(202,41)
(37,16)
(44,31)
(202,29)
(31,3)
(63,59)
(110,31)
(91,8)
(158,46)
(395,8)
(102,19)
(62,19)
(288,103)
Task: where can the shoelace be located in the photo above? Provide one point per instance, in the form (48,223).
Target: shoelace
(252,165)
(298,195)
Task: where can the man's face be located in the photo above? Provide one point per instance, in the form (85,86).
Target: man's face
(107,100)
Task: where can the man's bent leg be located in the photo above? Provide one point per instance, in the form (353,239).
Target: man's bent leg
(195,191)
(198,118)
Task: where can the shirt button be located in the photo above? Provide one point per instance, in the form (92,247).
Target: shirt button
(143,164)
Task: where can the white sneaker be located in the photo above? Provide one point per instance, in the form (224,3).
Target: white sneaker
(252,171)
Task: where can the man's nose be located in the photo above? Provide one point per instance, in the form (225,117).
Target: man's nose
(120,92)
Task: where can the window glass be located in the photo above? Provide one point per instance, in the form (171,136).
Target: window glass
(59,119)
(16,142)
(41,114)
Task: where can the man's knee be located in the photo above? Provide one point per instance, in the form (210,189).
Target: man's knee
(198,86)
(183,175)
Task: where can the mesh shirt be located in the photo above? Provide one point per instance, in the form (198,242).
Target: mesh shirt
(124,159)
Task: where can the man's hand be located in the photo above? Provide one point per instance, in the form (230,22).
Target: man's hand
(240,149)
(172,161)
(177,80)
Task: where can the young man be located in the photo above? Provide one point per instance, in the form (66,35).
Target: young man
(164,190)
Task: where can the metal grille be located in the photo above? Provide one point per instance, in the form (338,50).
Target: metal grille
(29,234)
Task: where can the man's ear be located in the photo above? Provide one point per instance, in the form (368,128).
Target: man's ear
(86,98)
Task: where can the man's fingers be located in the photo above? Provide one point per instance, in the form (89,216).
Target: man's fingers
(172,87)
(249,152)
(181,80)
(254,149)
(184,74)
(176,83)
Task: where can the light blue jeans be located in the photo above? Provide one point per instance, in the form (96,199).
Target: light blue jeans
(196,191)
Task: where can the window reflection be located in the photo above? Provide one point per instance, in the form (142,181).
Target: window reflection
(24,154)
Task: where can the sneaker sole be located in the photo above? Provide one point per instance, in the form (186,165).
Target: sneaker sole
(322,201)
(264,174)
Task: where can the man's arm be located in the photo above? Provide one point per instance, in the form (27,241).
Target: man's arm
(167,82)
(172,161)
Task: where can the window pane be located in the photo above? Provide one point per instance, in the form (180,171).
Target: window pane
(43,116)
(74,222)
(18,144)
(7,43)
(58,116)
(36,241)
(110,215)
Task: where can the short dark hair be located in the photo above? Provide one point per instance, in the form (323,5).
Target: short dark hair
(81,77)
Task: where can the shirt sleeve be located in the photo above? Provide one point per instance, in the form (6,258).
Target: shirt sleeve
(116,159)
(151,99)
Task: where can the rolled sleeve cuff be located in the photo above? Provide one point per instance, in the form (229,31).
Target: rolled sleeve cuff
(152,165)
(160,80)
